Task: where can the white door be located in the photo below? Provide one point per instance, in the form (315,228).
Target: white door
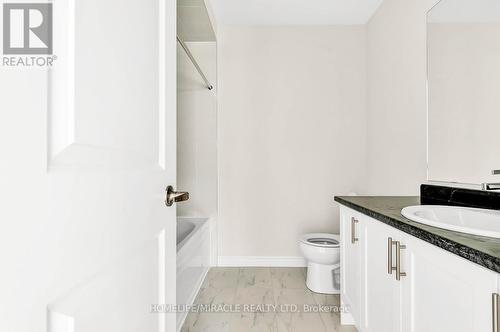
(87,149)
(383,292)
(444,292)
(352,239)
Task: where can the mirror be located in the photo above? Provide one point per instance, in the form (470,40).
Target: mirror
(464,91)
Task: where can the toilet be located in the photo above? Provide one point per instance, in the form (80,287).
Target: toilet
(322,252)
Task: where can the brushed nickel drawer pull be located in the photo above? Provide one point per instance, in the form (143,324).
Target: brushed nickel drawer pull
(390,243)
(399,247)
(354,239)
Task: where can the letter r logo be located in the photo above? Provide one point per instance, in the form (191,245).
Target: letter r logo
(27,28)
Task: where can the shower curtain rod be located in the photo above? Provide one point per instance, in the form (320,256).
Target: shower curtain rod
(191,57)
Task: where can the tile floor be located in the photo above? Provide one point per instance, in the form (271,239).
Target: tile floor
(263,287)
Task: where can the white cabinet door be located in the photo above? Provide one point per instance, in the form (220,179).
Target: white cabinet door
(444,292)
(352,238)
(382,305)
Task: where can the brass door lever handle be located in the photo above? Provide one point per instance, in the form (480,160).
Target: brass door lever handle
(175,196)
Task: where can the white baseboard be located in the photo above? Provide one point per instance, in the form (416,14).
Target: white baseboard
(261,261)
(345,317)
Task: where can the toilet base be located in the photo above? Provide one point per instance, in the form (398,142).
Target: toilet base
(322,278)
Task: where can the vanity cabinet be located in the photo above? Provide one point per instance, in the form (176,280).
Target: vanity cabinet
(437,291)
(444,292)
(382,294)
(352,237)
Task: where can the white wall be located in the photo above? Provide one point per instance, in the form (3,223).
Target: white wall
(292,133)
(197,131)
(397,97)
(280,90)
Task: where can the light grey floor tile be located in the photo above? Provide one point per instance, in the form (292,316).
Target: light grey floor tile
(231,322)
(288,277)
(257,322)
(221,277)
(327,299)
(211,295)
(255,276)
(300,322)
(297,297)
(254,295)
(207,322)
(283,287)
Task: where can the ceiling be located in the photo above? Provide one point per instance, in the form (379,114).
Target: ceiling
(465,11)
(294,12)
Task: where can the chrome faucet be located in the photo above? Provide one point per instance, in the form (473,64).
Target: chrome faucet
(490,186)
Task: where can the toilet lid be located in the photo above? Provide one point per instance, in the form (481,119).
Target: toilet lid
(324,240)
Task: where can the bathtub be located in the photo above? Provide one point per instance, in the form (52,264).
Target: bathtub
(193,259)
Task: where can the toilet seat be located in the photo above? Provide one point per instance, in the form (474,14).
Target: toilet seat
(322,240)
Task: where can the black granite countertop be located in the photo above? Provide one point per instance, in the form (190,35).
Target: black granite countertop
(387,209)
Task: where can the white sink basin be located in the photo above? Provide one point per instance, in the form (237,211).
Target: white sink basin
(460,219)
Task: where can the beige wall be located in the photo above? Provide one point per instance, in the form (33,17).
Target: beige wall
(293,97)
(292,133)
(397,97)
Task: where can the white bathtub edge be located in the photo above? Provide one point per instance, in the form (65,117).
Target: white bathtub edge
(198,222)
(196,289)
(193,263)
